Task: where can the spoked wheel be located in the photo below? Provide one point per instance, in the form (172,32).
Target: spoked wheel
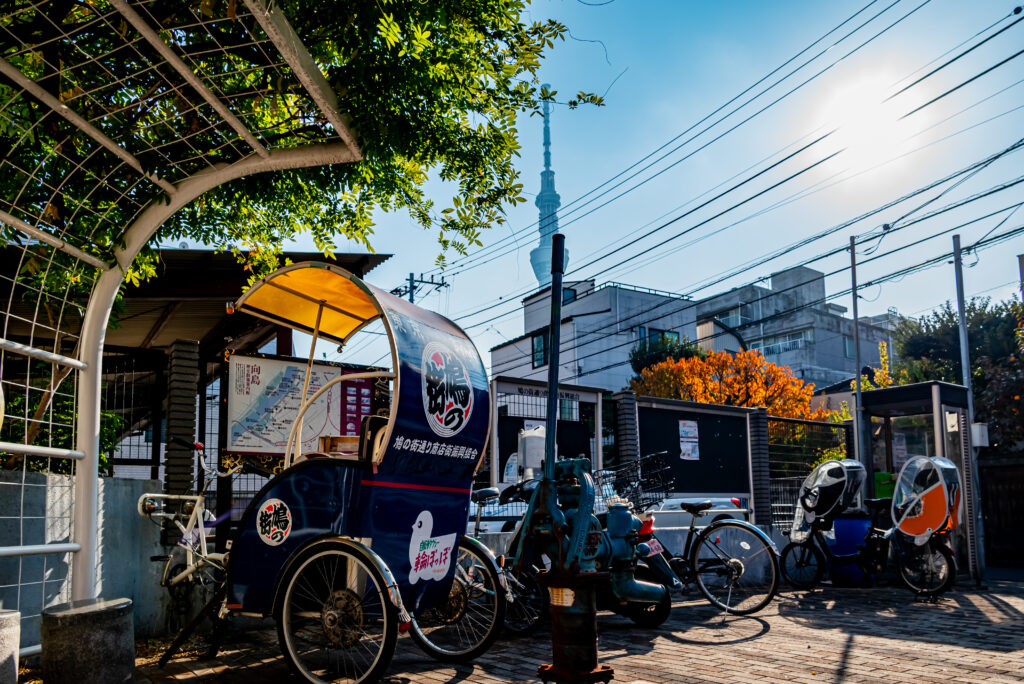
(336,623)
(803,565)
(190,594)
(468,622)
(529,606)
(930,571)
(649,615)
(735,568)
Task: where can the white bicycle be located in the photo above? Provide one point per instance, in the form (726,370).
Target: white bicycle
(191,571)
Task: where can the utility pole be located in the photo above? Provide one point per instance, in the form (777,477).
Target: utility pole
(1020,265)
(857,449)
(971,502)
(410,288)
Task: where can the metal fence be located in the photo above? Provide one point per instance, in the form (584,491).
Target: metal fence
(39,377)
(795,447)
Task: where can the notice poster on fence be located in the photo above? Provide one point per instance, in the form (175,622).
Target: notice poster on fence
(688,450)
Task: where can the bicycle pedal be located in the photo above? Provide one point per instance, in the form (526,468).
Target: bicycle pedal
(159,558)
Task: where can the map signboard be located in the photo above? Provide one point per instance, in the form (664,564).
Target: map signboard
(264,396)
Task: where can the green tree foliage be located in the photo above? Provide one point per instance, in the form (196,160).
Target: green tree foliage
(649,352)
(431,88)
(930,350)
(929,347)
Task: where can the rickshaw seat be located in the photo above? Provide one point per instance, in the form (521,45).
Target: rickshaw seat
(485,494)
(370,430)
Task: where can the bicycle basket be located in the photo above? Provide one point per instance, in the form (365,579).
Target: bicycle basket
(643,482)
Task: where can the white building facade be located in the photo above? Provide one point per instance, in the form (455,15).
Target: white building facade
(599,327)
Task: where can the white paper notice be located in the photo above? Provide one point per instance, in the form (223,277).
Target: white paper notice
(688,450)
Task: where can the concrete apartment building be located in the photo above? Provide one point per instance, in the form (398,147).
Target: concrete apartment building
(793,325)
(789,322)
(600,325)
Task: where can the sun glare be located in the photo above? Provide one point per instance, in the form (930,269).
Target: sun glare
(867,127)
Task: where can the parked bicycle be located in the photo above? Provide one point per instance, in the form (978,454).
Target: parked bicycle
(917,520)
(191,571)
(527,605)
(733,563)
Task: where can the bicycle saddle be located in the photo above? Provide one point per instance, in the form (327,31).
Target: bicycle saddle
(878,504)
(695,508)
(485,494)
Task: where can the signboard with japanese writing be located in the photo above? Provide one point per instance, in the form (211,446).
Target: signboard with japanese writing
(443,412)
(264,396)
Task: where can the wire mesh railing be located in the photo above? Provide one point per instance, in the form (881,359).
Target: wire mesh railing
(795,447)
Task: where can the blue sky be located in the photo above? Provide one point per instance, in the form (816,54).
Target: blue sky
(667,65)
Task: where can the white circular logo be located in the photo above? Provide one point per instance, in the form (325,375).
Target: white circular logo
(273,521)
(447,392)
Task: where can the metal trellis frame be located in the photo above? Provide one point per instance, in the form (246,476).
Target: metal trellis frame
(114,115)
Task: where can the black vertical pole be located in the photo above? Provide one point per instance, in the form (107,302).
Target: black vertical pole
(554,342)
(225,485)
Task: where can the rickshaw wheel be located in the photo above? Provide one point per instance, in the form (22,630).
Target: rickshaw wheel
(468,622)
(335,622)
(452,610)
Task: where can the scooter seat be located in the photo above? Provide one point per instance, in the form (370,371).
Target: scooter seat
(696,508)
(878,504)
(485,494)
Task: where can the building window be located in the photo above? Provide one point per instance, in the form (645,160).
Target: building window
(654,335)
(737,316)
(779,344)
(849,349)
(568,295)
(540,349)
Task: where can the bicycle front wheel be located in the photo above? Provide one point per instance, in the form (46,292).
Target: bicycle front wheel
(928,572)
(529,606)
(803,564)
(735,568)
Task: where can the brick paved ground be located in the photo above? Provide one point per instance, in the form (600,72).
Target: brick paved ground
(829,635)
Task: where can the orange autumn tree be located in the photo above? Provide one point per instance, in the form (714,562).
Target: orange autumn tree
(742,379)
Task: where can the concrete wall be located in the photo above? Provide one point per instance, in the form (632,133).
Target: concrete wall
(39,512)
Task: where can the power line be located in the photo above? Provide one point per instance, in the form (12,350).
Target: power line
(806,241)
(824,183)
(775,293)
(670,222)
(483,252)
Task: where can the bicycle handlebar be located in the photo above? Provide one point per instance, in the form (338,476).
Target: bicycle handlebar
(200,448)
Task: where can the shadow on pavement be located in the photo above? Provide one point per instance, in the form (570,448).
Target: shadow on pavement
(969,619)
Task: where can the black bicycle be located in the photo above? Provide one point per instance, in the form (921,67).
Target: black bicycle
(733,563)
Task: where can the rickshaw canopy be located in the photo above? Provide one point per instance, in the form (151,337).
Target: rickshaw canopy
(293,296)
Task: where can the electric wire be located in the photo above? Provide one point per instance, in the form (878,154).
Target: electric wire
(475,256)
(820,235)
(793,90)
(582,340)
(649,233)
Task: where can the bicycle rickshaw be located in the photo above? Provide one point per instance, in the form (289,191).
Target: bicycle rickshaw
(345,549)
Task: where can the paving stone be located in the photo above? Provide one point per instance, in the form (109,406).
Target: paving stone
(828,635)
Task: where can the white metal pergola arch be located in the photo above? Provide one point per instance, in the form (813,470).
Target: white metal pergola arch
(222,136)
